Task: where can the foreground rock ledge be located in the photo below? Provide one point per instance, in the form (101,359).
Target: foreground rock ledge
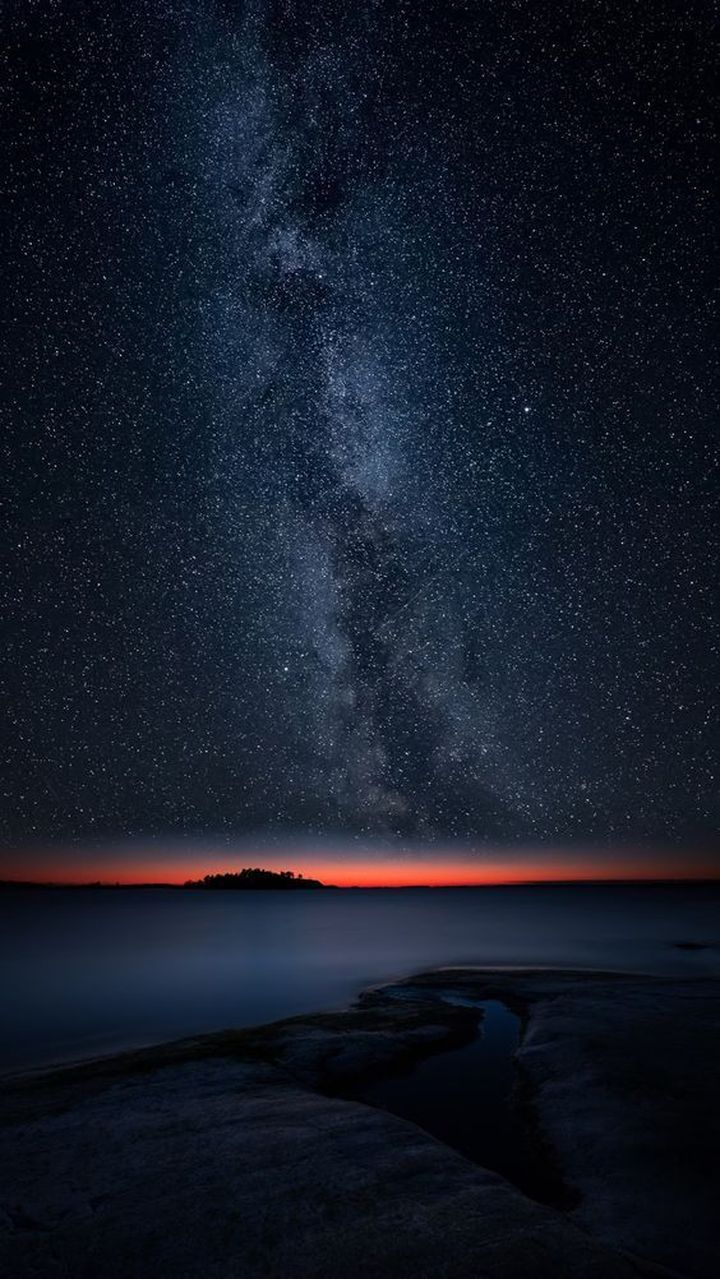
(225,1156)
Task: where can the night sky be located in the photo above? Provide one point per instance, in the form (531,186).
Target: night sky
(361,389)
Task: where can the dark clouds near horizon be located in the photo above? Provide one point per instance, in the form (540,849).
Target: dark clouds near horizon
(362,388)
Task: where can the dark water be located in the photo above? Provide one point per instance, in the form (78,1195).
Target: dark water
(468,1098)
(87,972)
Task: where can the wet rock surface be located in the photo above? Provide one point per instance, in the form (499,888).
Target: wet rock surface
(233,1155)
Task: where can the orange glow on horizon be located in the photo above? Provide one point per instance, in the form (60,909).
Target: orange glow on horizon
(397,873)
(463,874)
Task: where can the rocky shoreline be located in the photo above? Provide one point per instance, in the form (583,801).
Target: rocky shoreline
(242,1153)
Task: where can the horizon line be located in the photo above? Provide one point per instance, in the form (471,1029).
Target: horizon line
(479,883)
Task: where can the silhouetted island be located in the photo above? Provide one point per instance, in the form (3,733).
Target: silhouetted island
(255,877)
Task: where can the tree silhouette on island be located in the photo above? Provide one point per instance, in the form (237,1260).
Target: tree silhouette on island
(254,877)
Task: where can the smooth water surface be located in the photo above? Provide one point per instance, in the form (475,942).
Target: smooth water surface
(84,972)
(467,1098)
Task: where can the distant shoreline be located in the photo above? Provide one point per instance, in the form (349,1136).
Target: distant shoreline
(670,882)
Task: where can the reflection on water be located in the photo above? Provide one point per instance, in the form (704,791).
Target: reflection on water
(467,1097)
(87,972)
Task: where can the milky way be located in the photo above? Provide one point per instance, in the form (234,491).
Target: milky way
(362,386)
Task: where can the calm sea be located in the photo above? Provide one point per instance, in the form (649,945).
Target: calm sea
(92,971)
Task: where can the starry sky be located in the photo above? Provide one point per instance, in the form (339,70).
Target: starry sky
(361,380)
